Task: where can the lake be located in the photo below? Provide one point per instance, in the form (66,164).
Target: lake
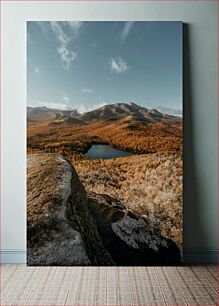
(105,152)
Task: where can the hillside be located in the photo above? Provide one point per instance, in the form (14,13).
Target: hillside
(128,111)
(149,181)
(126,126)
(119,111)
(43,113)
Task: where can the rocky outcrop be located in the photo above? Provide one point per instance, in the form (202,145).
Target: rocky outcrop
(104,199)
(60,229)
(67,227)
(129,238)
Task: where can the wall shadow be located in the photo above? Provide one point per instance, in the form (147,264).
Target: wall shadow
(192,224)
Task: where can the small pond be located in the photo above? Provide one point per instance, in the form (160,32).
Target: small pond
(105,152)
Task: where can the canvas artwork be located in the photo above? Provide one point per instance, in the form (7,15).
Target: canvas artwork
(104,143)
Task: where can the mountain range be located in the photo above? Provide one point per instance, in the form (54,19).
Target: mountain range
(123,112)
(127,126)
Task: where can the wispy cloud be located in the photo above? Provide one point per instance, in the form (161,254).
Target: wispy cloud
(59,33)
(67,56)
(87,90)
(64,32)
(51,105)
(75,27)
(169,110)
(62,104)
(65,98)
(126,30)
(84,109)
(81,109)
(37,70)
(118,65)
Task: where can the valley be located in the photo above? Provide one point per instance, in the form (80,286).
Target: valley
(149,181)
(124,126)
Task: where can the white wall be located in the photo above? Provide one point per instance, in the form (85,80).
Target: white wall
(200,115)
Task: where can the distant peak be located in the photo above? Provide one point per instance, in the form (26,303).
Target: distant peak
(132,103)
(154,110)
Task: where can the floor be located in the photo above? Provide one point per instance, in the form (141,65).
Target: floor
(79,286)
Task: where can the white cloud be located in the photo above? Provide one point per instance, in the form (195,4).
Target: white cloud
(118,65)
(62,104)
(169,110)
(81,109)
(59,33)
(87,90)
(126,30)
(51,105)
(65,105)
(67,56)
(64,33)
(75,26)
(37,70)
(84,109)
(65,98)
(63,30)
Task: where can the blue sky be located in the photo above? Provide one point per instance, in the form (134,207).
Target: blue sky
(85,65)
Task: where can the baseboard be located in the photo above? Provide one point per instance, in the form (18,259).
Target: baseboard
(13,256)
(200,257)
(190,257)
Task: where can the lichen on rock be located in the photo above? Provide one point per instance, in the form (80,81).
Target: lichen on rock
(66,226)
(129,238)
(60,230)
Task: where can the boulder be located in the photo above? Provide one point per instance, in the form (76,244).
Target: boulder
(60,229)
(67,227)
(129,238)
(105,199)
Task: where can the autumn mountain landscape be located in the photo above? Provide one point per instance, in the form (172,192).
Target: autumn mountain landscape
(124,125)
(104,143)
(147,182)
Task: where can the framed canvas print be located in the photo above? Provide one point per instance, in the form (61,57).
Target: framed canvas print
(104,143)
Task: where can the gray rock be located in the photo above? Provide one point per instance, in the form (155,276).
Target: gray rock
(129,238)
(66,227)
(105,199)
(60,229)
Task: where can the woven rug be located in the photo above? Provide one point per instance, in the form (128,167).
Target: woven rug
(128,286)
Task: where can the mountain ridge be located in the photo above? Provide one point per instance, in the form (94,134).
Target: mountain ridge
(117,111)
